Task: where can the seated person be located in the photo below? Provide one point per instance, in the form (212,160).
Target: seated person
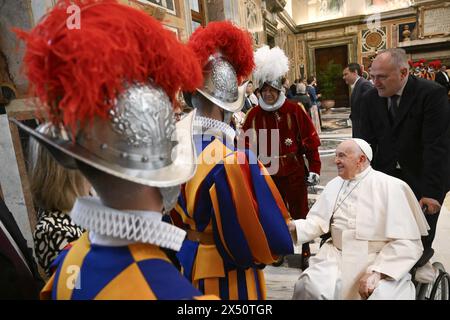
(376,225)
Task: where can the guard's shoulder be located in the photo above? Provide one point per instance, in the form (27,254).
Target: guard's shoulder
(367,84)
(253,111)
(372,92)
(291,105)
(251,114)
(427,86)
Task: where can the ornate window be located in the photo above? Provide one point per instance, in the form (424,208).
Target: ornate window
(169,5)
(197,13)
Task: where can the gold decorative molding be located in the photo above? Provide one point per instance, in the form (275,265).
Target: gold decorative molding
(325,34)
(350,30)
(287,20)
(156,12)
(311,36)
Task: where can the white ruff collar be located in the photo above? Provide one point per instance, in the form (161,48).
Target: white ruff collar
(109,226)
(273,107)
(213,127)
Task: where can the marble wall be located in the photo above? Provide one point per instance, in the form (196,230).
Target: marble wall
(250,14)
(286,40)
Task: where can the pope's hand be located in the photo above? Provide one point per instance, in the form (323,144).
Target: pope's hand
(291,226)
(313,179)
(368,283)
(432,205)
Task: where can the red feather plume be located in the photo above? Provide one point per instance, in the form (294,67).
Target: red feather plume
(233,43)
(78,73)
(436,64)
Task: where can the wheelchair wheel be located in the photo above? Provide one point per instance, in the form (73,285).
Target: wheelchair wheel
(423,291)
(441,287)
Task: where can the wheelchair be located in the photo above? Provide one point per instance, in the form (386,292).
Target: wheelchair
(437,290)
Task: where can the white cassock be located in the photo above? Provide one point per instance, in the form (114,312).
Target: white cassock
(376,226)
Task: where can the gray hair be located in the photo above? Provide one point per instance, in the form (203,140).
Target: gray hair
(301,88)
(399,57)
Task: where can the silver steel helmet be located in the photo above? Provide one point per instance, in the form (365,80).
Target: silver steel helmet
(276,84)
(271,65)
(139,141)
(220,84)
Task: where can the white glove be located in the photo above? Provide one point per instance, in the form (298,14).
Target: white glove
(368,283)
(313,178)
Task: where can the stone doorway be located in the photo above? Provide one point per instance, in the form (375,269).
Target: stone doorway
(339,55)
(342,50)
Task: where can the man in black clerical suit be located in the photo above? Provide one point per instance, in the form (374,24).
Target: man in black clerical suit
(352,77)
(406,121)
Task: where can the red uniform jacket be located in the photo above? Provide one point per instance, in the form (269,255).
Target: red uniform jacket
(296,133)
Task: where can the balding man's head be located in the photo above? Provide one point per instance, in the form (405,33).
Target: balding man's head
(350,159)
(389,72)
(395,56)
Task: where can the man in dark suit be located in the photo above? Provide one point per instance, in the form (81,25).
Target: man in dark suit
(352,77)
(406,121)
(19,278)
(442,78)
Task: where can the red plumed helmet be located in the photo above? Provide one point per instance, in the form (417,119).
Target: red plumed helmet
(118,71)
(78,73)
(436,64)
(223,37)
(226,54)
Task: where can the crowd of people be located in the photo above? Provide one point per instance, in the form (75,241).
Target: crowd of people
(140,198)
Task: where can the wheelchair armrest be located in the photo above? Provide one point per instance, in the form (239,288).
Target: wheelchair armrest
(426,256)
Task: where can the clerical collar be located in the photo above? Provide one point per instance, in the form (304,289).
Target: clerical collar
(111,227)
(361,175)
(214,127)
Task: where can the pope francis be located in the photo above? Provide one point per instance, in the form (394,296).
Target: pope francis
(376,225)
